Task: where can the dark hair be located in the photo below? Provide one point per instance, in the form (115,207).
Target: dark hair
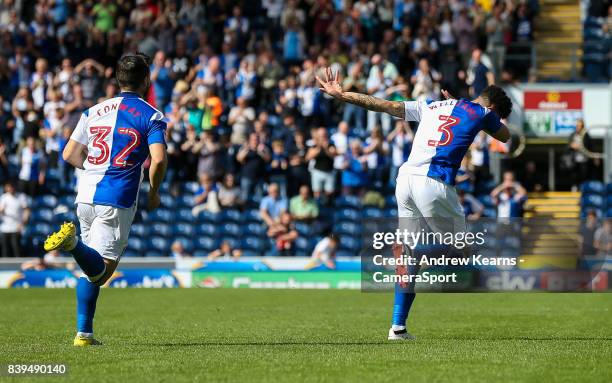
(497,97)
(133,70)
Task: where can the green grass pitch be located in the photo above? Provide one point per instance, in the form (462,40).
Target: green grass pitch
(290,335)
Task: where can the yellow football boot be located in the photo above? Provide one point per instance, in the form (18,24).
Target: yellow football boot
(63,239)
(82,341)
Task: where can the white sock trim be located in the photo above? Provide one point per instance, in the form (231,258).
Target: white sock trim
(396,327)
(85,334)
(96,278)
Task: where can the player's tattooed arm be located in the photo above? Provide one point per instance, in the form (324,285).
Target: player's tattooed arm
(331,86)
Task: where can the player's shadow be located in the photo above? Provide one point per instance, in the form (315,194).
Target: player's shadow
(370,343)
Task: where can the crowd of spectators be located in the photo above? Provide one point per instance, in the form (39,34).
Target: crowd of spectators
(236,80)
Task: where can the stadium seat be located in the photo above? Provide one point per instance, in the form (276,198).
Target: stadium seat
(391,201)
(344,253)
(592,200)
(231,215)
(511,242)
(609,213)
(187,243)
(131,253)
(348,201)
(206,216)
(139,230)
(185,201)
(49,201)
(347,228)
(200,253)
(592,187)
(70,215)
(255,244)
(159,244)
(303,246)
(350,215)
(490,212)
(609,202)
(136,244)
(167,201)
(390,212)
(233,242)
(230,229)
(67,200)
(207,230)
(350,244)
(190,187)
(42,229)
(254,229)
(486,200)
(372,213)
(155,253)
(184,229)
(43,215)
(609,188)
(206,244)
(160,215)
(161,229)
(252,215)
(184,215)
(251,253)
(303,229)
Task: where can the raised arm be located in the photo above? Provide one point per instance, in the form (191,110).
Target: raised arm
(332,86)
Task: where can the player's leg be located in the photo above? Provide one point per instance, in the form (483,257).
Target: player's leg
(107,235)
(408,217)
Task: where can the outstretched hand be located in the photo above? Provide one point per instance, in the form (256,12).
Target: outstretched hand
(447,95)
(331,85)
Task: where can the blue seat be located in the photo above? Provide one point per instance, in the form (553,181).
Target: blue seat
(43,215)
(42,229)
(158,244)
(139,229)
(592,200)
(206,244)
(187,243)
(231,215)
(255,244)
(207,229)
(136,244)
(609,213)
(161,215)
(155,253)
(345,253)
(350,244)
(372,212)
(161,229)
(184,215)
(254,229)
(49,201)
(200,253)
(67,200)
(511,242)
(206,216)
(390,201)
(167,201)
(486,200)
(184,229)
(592,187)
(303,229)
(390,212)
(185,201)
(610,200)
(233,242)
(252,215)
(346,214)
(304,245)
(490,212)
(190,187)
(348,201)
(230,229)
(609,188)
(250,253)
(131,254)
(347,228)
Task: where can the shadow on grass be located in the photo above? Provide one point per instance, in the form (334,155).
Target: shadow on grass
(366,343)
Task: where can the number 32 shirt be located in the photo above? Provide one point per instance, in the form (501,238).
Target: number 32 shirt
(445,132)
(117,133)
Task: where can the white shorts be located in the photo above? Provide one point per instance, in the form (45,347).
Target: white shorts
(105,228)
(425,197)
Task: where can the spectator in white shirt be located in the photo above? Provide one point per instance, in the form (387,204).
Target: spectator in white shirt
(14,212)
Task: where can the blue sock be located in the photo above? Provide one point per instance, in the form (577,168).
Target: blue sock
(401,305)
(90,261)
(87,295)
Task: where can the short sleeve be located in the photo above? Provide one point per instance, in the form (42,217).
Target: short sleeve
(491,122)
(412,110)
(157,129)
(80,132)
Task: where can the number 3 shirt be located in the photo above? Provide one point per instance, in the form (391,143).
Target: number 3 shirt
(117,133)
(445,132)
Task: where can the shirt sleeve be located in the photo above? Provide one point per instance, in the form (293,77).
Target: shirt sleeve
(157,129)
(491,122)
(80,132)
(412,110)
